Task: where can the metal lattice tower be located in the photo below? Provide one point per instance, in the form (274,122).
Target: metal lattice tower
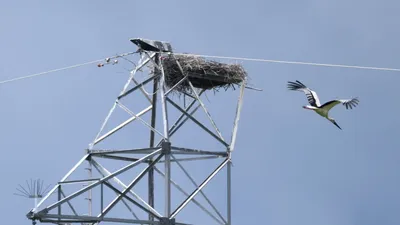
(61,207)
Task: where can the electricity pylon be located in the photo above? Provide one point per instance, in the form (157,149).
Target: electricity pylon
(63,208)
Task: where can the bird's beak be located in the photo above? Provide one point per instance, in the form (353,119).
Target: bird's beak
(334,122)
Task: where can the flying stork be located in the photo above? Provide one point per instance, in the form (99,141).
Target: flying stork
(322,110)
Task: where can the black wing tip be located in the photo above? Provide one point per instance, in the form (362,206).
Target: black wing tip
(295,85)
(352,103)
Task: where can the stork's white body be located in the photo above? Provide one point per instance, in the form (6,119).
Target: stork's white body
(320,111)
(315,105)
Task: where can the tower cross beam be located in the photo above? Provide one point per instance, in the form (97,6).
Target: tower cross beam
(178,123)
(130,186)
(98,182)
(105,172)
(187,195)
(122,125)
(122,194)
(197,122)
(201,192)
(198,189)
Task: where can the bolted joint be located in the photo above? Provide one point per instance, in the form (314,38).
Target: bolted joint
(166,147)
(167,221)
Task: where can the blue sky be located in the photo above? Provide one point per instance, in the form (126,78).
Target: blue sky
(290,165)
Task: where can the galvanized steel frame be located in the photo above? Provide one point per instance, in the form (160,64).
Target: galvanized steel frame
(154,155)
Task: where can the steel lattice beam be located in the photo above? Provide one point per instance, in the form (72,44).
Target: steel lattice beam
(163,152)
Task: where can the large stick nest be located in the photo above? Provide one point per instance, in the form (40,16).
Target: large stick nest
(203,74)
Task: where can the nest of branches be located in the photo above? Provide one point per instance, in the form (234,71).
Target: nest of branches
(203,74)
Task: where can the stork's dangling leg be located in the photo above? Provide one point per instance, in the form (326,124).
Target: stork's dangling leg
(334,122)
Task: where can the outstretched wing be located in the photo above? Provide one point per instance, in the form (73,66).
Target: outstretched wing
(348,103)
(310,94)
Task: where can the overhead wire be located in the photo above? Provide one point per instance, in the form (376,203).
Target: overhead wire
(64,68)
(292,62)
(216,57)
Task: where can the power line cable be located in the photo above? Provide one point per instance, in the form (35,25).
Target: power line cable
(64,68)
(293,62)
(216,57)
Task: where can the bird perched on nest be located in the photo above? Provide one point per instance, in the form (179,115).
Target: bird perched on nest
(322,110)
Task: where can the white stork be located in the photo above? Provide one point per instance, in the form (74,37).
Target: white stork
(322,110)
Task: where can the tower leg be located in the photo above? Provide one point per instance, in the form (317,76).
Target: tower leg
(229,193)
(152,134)
(167,148)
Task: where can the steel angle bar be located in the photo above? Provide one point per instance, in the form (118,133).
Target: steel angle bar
(140,119)
(95,222)
(198,189)
(92,219)
(216,154)
(236,123)
(77,181)
(206,111)
(70,205)
(130,199)
(133,72)
(157,55)
(59,198)
(123,124)
(152,138)
(194,200)
(186,110)
(173,131)
(178,122)
(117,157)
(166,137)
(176,85)
(229,193)
(143,63)
(130,186)
(197,151)
(68,221)
(197,122)
(124,151)
(123,169)
(201,192)
(123,201)
(112,109)
(129,208)
(192,159)
(142,89)
(189,95)
(105,172)
(63,179)
(138,86)
(163,100)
